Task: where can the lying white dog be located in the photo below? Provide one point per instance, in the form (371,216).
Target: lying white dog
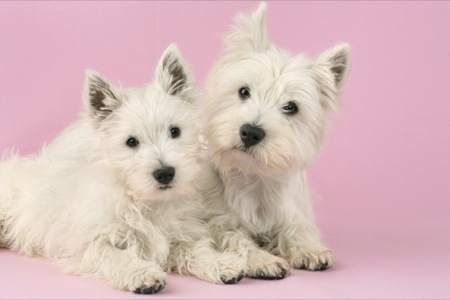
(113,197)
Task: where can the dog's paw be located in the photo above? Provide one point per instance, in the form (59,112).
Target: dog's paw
(148,282)
(231,267)
(150,289)
(233,280)
(263,265)
(315,259)
(216,267)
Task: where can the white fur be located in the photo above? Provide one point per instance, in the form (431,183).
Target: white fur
(258,197)
(91,203)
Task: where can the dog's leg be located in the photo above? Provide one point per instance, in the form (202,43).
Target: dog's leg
(121,268)
(199,258)
(261,264)
(298,240)
(300,245)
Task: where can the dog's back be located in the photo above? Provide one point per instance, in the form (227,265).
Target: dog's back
(37,197)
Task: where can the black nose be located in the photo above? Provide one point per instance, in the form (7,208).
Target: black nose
(251,135)
(164,175)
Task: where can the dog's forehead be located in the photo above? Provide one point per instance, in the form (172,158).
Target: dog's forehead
(274,73)
(153,109)
(270,65)
(152,99)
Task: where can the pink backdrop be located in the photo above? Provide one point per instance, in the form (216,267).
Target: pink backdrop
(383,179)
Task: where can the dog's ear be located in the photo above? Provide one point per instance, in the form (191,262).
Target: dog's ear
(173,74)
(100,97)
(331,69)
(249,32)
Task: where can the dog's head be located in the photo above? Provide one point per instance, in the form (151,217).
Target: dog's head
(266,110)
(147,133)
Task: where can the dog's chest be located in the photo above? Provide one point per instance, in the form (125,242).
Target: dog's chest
(258,204)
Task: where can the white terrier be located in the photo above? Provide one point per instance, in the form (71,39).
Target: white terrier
(114,196)
(265,118)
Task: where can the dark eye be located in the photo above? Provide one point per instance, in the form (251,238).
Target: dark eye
(132,142)
(175,132)
(290,108)
(244,93)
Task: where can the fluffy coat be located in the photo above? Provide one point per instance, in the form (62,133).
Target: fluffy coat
(95,200)
(265,119)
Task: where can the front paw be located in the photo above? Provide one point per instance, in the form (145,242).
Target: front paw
(149,282)
(313,259)
(232,267)
(213,266)
(232,280)
(150,289)
(263,265)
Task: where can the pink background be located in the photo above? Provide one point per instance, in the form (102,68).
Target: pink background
(383,177)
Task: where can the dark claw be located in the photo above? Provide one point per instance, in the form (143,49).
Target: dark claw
(304,265)
(233,280)
(157,287)
(228,281)
(261,275)
(322,267)
(149,290)
(269,277)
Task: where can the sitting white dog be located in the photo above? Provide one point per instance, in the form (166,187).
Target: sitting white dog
(265,119)
(113,197)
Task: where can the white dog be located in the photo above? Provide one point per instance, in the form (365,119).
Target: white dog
(113,197)
(265,118)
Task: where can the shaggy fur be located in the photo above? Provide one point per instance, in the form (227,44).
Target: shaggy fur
(92,201)
(256,191)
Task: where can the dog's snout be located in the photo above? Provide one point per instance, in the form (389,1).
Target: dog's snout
(251,135)
(164,175)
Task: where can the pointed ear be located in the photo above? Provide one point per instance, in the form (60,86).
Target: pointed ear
(331,69)
(249,32)
(173,74)
(100,97)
